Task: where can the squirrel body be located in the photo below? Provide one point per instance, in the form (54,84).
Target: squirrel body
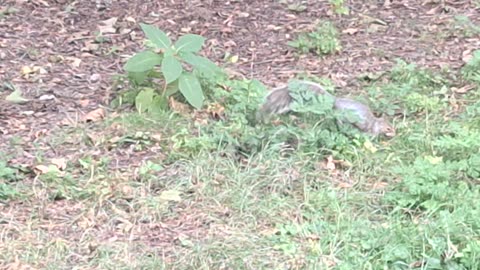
(278,101)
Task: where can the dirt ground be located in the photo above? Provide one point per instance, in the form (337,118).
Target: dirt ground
(52,50)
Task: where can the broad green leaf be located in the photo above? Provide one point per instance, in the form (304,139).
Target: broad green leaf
(156,36)
(191,89)
(200,63)
(142,61)
(138,77)
(171,68)
(144,99)
(159,104)
(16,97)
(171,89)
(189,43)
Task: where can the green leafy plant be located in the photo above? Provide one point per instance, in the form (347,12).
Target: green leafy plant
(471,71)
(295,5)
(339,7)
(464,25)
(5,11)
(324,40)
(167,60)
(411,90)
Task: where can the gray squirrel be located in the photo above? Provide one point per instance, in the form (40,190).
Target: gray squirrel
(279,101)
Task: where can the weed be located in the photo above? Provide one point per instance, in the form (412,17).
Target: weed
(324,40)
(471,71)
(465,26)
(339,7)
(170,57)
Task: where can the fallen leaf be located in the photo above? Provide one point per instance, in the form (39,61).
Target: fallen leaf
(94,116)
(84,102)
(380,185)
(170,195)
(370,147)
(243,15)
(350,31)
(26,70)
(107,26)
(269,231)
(329,163)
(43,169)
(178,107)
(39,70)
(16,97)
(216,110)
(156,137)
(273,27)
(46,97)
(90,47)
(75,62)
(61,163)
(434,160)
(230,43)
(234,59)
(464,89)
(95,78)
(467,55)
(131,20)
(345,185)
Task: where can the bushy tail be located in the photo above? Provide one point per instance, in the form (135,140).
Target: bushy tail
(277,101)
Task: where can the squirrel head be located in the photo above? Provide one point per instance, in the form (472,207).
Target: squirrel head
(383,127)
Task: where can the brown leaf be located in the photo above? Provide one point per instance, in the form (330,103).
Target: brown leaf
(350,31)
(107,26)
(467,55)
(178,107)
(216,110)
(464,89)
(344,185)
(94,116)
(329,163)
(61,163)
(43,169)
(84,102)
(75,62)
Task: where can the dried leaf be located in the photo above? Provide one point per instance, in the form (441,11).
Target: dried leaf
(350,31)
(178,107)
(464,89)
(75,62)
(95,115)
(170,195)
(467,55)
(107,26)
(216,110)
(61,163)
(329,163)
(234,59)
(43,169)
(370,147)
(16,97)
(84,102)
(26,70)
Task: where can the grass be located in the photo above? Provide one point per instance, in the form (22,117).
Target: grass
(321,41)
(168,191)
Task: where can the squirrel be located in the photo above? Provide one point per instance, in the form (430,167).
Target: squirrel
(278,101)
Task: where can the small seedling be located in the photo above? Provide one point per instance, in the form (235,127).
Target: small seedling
(324,40)
(170,58)
(339,7)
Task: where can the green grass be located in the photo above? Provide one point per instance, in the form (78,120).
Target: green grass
(170,192)
(321,41)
